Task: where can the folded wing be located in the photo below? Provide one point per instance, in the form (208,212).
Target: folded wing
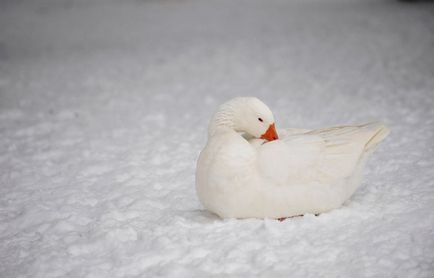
(318,156)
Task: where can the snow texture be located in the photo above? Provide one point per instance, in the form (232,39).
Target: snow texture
(104,107)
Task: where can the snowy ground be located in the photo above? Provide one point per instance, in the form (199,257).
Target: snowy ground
(104,108)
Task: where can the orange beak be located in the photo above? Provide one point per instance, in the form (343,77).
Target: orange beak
(270,134)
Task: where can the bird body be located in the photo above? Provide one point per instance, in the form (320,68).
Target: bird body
(247,172)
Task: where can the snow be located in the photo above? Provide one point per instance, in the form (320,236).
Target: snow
(104,107)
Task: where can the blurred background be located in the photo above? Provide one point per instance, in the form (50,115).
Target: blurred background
(314,62)
(104,107)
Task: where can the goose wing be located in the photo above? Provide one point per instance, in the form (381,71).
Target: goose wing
(318,156)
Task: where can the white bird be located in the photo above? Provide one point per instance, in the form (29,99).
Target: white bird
(246,170)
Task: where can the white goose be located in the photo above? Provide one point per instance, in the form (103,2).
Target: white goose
(245,172)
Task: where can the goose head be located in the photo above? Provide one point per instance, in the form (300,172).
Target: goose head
(247,115)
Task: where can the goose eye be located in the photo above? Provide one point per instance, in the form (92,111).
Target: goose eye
(260,119)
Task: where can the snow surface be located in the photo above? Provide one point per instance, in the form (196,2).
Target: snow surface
(104,107)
